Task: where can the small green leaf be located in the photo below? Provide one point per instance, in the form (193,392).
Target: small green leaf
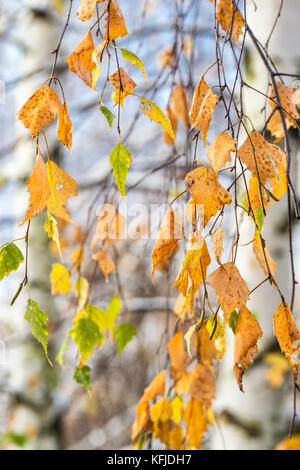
(112,312)
(155,113)
(10,259)
(135,60)
(52,231)
(120,160)
(109,116)
(38,321)
(123,334)
(15,438)
(82,377)
(61,353)
(86,336)
(233,320)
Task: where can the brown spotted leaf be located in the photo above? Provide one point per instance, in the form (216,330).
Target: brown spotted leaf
(203,105)
(232,24)
(287,102)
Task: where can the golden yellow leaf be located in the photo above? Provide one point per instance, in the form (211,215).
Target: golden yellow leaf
(262,255)
(60,279)
(78,258)
(154,113)
(62,186)
(115,25)
(287,334)
(289,443)
(180,104)
(206,349)
(278,367)
(201,384)
(177,405)
(86,9)
(230,288)
(203,105)
(177,354)
(179,308)
(232,25)
(161,411)
(217,239)
(124,85)
(214,327)
(81,290)
(219,151)
(176,437)
(65,127)
(287,102)
(195,421)
(105,261)
(41,108)
(166,244)
(169,113)
(38,188)
(261,157)
(245,343)
(207,191)
(81,61)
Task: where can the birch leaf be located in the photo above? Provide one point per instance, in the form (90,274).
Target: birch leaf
(123,334)
(109,116)
(41,109)
(62,186)
(120,159)
(81,290)
(81,61)
(65,127)
(217,239)
(38,321)
(86,335)
(105,261)
(123,84)
(60,279)
(52,230)
(154,113)
(180,104)
(232,25)
(10,259)
(135,60)
(86,9)
(195,421)
(82,377)
(219,151)
(115,23)
(203,105)
(287,101)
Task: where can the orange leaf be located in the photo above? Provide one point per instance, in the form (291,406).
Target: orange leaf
(180,104)
(170,114)
(38,188)
(260,256)
(230,288)
(128,85)
(105,262)
(224,15)
(177,356)
(287,334)
(81,62)
(65,128)
(201,385)
(287,102)
(289,443)
(86,9)
(207,191)
(218,152)
(204,346)
(195,421)
(62,186)
(217,244)
(41,108)
(246,335)
(115,26)
(203,104)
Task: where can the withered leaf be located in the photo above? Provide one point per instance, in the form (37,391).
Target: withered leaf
(203,105)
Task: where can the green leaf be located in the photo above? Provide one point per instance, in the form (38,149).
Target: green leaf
(15,438)
(259,218)
(52,231)
(155,114)
(109,116)
(10,259)
(123,334)
(112,312)
(96,314)
(38,322)
(135,60)
(82,377)
(61,353)
(120,160)
(86,336)
(233,320)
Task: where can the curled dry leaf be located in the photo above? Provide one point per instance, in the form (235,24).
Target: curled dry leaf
(261,157)
(41,109)
(86,9)
(203,105)
(245,343)
(180,104)
(207,191)
(230,288)
(218,152)
(287,102)
(123,84)
(115,23)
(167,242)
(105,261)
(287,334)
(217,244)
(232,24)
(65,127)
(81,61)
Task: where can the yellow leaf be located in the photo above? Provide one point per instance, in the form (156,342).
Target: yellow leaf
(81,289)
(78,258)
(177,356)
(287,334)
(176,438)
(219,151)
(81,61)
(154,113)
(177,405)
(188,337)
(38,188)
(230,288)
(289,443)
(194,418)
(86,9)
(171,116)
(207,191)
(203,105)
(214,326)
(62,186)
(52,230)
(232,25)
(65,127)
(161,411)
(278,366)
(60,279)
(287,102)
(106,263)
(262,255)
(115,23)
(246,335)
(41,108)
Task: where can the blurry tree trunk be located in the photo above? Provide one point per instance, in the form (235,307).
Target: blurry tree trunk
(260,417)
(31,384)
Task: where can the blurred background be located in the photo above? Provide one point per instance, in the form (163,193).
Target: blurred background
(42,407)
